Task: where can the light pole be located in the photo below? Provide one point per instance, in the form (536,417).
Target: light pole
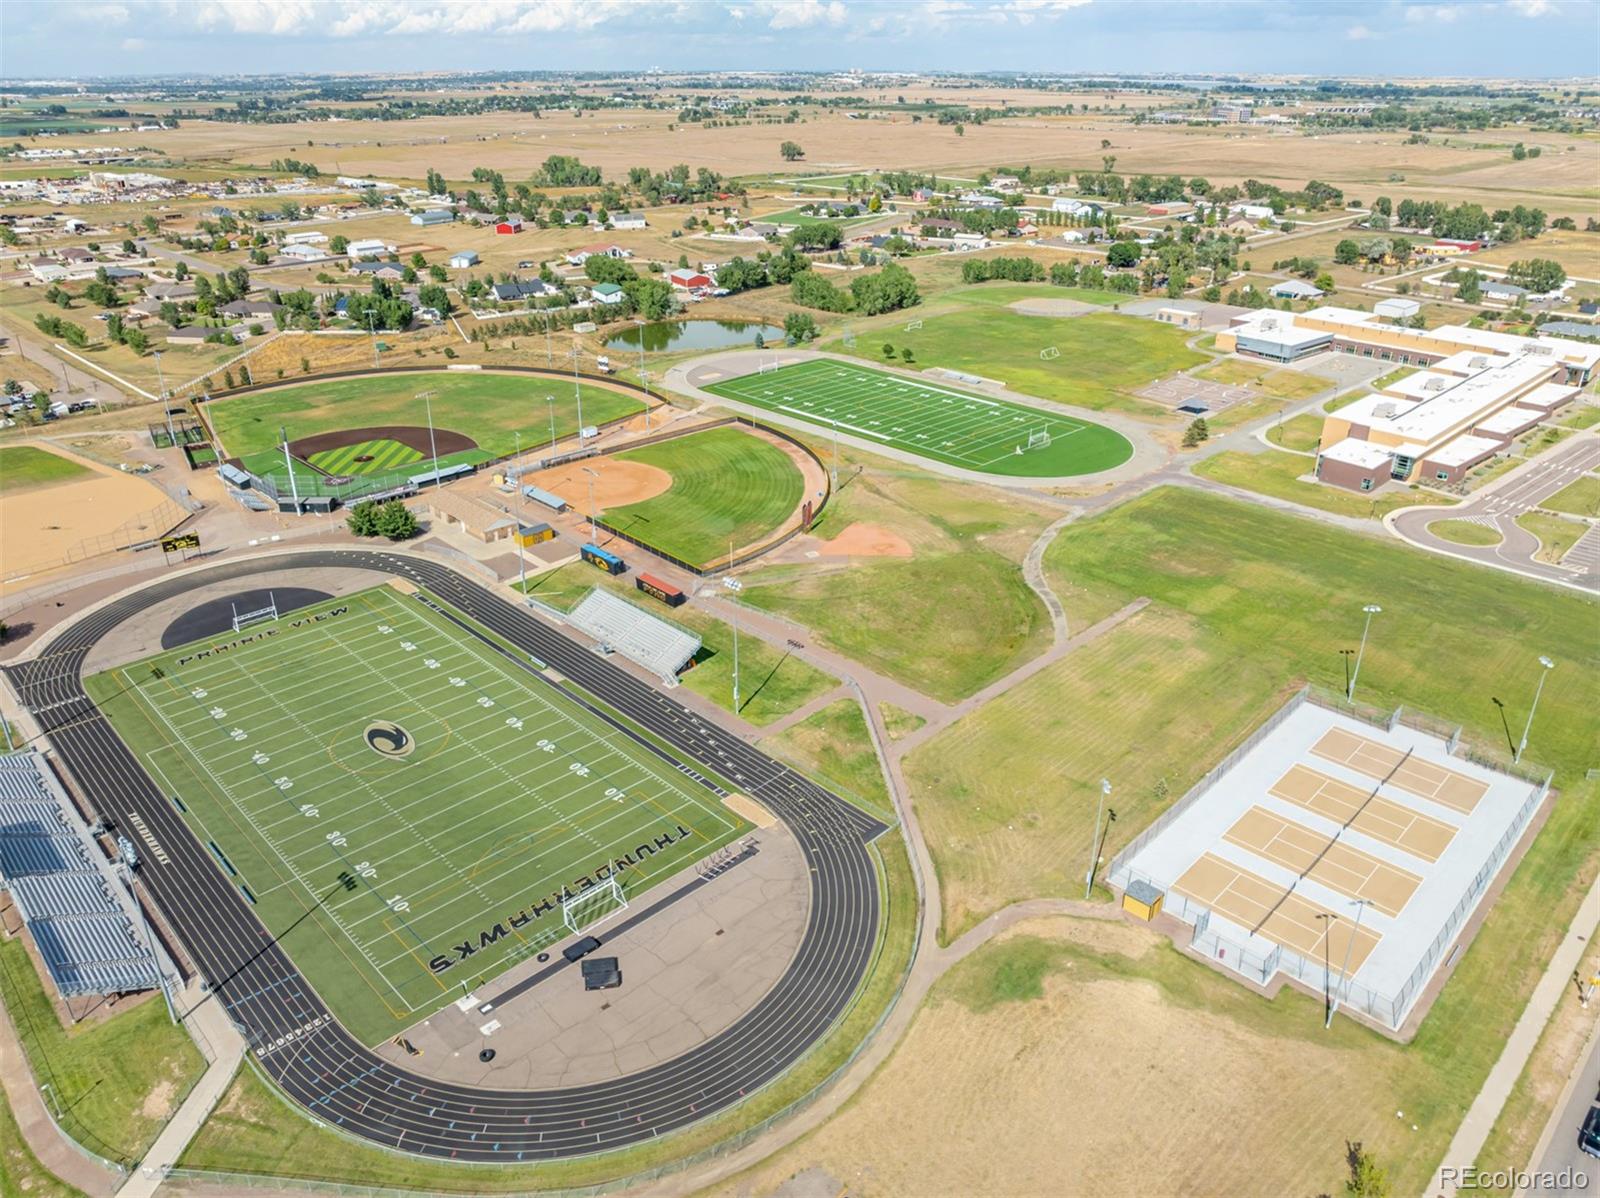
(1371,609)
(1094,845)
(372,332)
(1361,909)
(644,380)
(1537,691)
(522,565)
(733,584)
(1329,918)
(549,354)
(834,481)
(165,406)
(551,401)
(594,537)
(433,445)
(577,390)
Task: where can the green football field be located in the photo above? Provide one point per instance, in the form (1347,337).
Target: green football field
(388,789)
(728,486)
(367,457)
(990,436)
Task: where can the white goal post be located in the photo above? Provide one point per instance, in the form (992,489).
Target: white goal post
(768,367)
(243,619)
(1049,353)
(1039,439)
(913,326)
(593,906)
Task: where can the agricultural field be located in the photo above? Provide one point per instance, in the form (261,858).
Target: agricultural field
(942,423)
(23,467)
(381,783)
(1099,358)
(729,488)
(489,409)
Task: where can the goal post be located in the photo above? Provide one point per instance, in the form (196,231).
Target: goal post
(913,326)
(767,367)
(1039,439)
(1049,354)
(593,906)
(243,619)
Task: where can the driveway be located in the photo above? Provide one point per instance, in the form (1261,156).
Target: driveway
(1499,505)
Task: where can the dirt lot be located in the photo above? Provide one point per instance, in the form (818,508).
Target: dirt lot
(48,526)
(1107,1077)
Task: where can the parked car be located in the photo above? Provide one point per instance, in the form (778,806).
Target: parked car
(1589,1133)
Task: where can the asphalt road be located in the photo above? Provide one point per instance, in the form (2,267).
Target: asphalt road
(311,1057)
(1564,1157)
(1525,490)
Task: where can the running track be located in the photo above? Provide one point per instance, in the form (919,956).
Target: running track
(311,1056)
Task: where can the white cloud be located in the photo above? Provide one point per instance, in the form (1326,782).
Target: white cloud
(1531,8)
(802,14)
(132,45)
(1359,33)
(1432,14)
(425,18)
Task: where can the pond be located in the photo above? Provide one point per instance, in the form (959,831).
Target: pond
(693,334)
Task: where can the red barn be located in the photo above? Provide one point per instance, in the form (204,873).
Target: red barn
(688,278)
(511,224)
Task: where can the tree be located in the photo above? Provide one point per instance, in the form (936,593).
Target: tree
(906,355)
(1538,275)
(799,327)
(1347,253)
(1469,286)
(811,290)
(339,243)
(791,151)
(1367,1178)
(363,519)
(888,350)
(1197,432)
(1519,151)
(1124,253)
(892,288)
(396,521)
(1324,282)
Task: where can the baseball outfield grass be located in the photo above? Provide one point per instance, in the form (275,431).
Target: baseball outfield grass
(729,488)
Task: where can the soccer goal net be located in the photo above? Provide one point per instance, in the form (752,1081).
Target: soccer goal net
(1049,353)
(913,326)
(593,906)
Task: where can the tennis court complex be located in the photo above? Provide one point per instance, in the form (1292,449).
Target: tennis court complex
(989,436)
(405,804)
(1334,852)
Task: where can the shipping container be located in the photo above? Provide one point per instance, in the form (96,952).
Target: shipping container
(660,589)
(598,557)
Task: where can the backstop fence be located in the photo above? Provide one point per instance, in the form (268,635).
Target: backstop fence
(1390,1009)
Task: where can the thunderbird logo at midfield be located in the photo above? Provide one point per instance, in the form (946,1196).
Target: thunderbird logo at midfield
(388,739)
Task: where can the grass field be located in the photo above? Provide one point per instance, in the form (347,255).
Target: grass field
(1003,295)
(23,467)
(115,1081)
(1464,532)
(506,794)
(1556,534)
(1291,385)
(367,457)
(1302,432)
(490,408)
(1280,475)
(932,421)
(729,487)
(835,746)
(1581,498)
(1103,356)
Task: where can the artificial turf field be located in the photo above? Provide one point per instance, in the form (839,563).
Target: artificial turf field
(989,436)
(375,867)
(492,409)
(366,457)
(728,487)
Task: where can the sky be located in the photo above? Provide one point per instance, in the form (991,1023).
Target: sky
(1384,38)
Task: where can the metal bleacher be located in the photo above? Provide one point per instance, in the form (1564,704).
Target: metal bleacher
(62,888)
(656,644)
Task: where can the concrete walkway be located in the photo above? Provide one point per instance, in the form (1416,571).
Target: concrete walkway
(1485,1109)
(224,1047)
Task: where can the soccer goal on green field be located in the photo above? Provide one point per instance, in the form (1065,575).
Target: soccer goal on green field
(594,905)
(913,326)
(1049,354)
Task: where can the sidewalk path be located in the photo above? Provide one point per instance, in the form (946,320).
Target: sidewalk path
(1485,1109)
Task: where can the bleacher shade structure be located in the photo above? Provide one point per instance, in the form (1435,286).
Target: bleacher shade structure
(83,934)
(656,644)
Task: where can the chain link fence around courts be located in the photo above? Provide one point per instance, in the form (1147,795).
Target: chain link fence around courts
(1258,966)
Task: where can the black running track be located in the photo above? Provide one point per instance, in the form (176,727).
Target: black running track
(308,1052)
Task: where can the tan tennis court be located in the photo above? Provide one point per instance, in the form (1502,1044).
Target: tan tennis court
(1420,835)
(1267,910)
(1418,777)
(1324,859)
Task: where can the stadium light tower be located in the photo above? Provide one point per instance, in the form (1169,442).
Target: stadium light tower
(522,565)
(551,401)
(1537,691)
(733,584)
(433,445)
(1344,970)
(577,390)
(1371,609)
(594,536)
(1329,918)
(1094,845)
(166,408)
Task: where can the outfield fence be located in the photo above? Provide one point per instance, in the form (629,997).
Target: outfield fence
(141,532)
(1389,1010)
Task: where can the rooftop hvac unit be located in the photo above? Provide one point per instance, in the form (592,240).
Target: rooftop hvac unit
(1479,363)
(1386,411)
(1269,325)
(1434,385)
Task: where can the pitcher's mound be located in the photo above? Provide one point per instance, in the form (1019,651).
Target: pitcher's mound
(867,540)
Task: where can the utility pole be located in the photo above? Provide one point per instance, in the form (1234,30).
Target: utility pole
(1094,846)
(1537,691)
(1371,609)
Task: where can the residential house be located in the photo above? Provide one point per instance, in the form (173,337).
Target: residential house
(627,220)
(307,237)
(579,256)
(176,292)
(1294,289)
(516,289)
(978,199)
(250,309)
(607,293)
(434,216)
(388,271)
(369,247)
(193,335)
(302,251)
(462,259)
